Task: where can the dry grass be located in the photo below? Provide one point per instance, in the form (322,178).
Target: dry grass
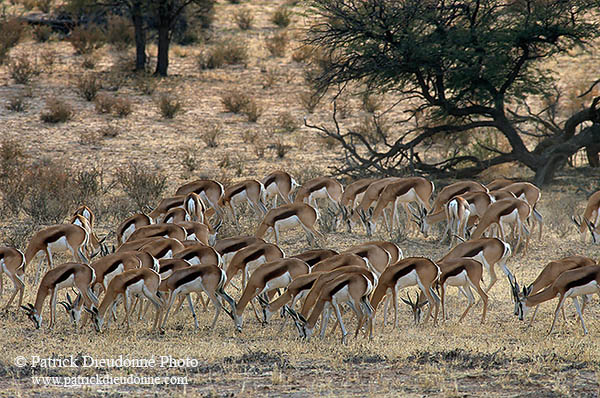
(501,358)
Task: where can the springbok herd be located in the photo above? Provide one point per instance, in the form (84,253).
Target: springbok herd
(174,251)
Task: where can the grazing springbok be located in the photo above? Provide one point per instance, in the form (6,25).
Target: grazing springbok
(77,275)
(12,263)
(60,237)
(288,216)
(279,183)
(590,219)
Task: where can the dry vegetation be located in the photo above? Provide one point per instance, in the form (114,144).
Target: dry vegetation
(127,139)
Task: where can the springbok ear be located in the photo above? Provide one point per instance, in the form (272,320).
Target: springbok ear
(405,301)
(26,309)
(66,305)
(578,223)
(262,301)
(528,289)
(423,304)
(228,312)
(86,309)
(301,318)
(370,211)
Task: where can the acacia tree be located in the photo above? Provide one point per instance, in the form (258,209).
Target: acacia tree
(166,13)
(469,65)
(162,15)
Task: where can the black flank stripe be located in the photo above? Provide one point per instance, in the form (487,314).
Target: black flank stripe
(307,285)
(237,190)
(275,273)
(582,281)
(339,287)
(133,281)
(362,189)
(404,271)
(270,180)
(313,261)
(404,190)
(452,273)
(461,191)
(166,268)
(507,211)
(188,278)
(54,237)
(65,276)
(284,215)
(319,186)
(233,248)
(255,255)
(112,267)
(164,251)
(473,252)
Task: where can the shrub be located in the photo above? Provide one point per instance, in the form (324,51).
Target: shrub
(230,52)
(104,103)
(189,159)
(28,4)
(50,191)
(44,5)
(47,58)
(277,44)
(270,78)
(87,86)
(11,31)
(114,80)
(57,111)
(235,101)
(144,187)
(89,137)
(302,53)
(281,148)
(145,84)
(91,185)
(89,61)
(19,234)
(252,111)
(371,103)
(309,100)
(119,32)
(282,17)
(243,19)
(122,107)
(42,33)
(259,147)
(287,123)
(86,39)
(169,105)
(22,69)
(109,131)
(211,135)
(16,103)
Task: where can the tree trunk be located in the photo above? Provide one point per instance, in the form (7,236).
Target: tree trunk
(593,155)
(162,63)
(545,173)
(140,37)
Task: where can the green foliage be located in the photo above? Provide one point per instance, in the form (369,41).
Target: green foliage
(473,55)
